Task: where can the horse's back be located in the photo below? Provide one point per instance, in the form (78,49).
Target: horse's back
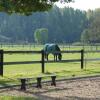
(50,48)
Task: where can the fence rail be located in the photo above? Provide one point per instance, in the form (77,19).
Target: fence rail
(7,52)
(93,59)
(63,61)
(42,61)
(94,51)
(73,51)
(22,62)
(38,52)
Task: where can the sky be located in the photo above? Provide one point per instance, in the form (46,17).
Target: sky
(82,4)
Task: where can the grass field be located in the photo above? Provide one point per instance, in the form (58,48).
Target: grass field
(16,98)
(11,72)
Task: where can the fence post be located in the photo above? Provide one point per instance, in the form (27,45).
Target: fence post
(82,59)
(1,62)
(43,63)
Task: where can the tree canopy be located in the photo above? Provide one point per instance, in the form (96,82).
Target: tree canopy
(63,24)
(41,35)
(92,32)
(26,7)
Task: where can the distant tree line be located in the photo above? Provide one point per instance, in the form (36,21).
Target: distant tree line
(63,25)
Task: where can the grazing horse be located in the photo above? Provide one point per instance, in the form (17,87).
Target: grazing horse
(53,49)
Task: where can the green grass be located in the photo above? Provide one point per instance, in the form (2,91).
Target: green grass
(16,98)
(62,70)
(12,72)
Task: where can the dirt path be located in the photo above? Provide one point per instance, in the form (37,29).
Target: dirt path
(80,89)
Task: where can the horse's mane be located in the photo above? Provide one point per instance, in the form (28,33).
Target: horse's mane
(57,47)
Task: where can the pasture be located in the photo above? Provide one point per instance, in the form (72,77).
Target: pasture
(63,70)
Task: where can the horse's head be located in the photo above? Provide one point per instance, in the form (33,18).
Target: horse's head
(60,56)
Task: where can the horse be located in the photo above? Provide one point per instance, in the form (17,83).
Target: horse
(53,49)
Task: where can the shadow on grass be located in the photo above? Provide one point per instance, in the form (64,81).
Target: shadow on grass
(64,71)
(88,71)
(6,81)
(16,98)
(80,98)
(79,72)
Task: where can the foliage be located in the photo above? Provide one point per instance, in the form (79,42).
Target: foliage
(17,98)
(64,25)
(92,33)
(85,37)
(41,35)
(26,6)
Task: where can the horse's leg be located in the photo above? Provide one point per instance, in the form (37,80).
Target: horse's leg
(47,57)
(54,57)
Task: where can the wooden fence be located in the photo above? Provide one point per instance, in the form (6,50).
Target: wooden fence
(42,61)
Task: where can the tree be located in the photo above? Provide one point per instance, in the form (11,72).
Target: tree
(64,24)
(85,37)
(26,6)
(41,35)
(92,33)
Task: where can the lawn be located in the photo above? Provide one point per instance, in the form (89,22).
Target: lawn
(16,98)
(63,70)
